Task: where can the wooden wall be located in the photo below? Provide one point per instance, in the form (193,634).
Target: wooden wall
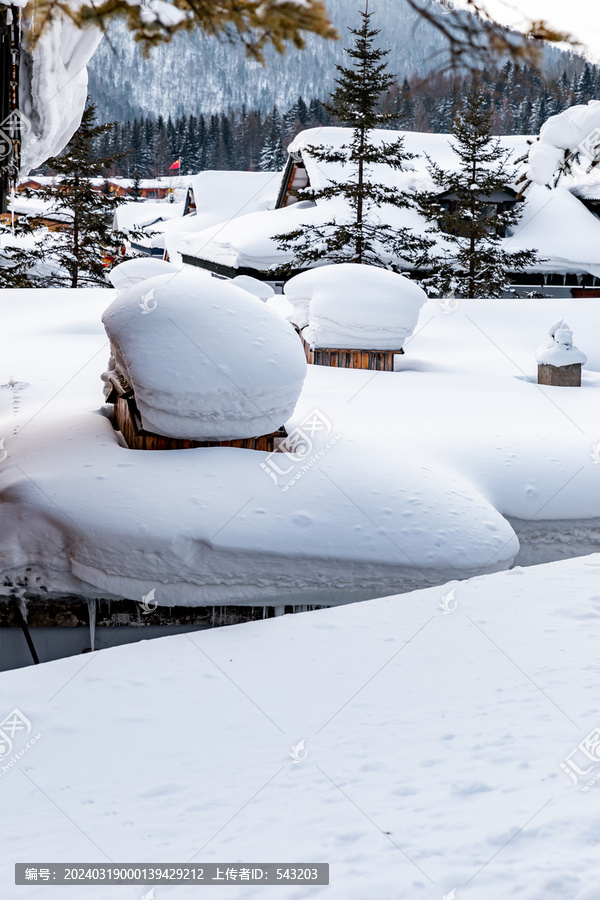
(379,360)
(128,422)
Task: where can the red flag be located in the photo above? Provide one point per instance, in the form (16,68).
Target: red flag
(176,164)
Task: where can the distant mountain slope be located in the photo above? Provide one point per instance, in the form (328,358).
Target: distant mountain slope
(196,74)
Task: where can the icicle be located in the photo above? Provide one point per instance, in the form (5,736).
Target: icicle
(12,210)
(92,616)
(23,605)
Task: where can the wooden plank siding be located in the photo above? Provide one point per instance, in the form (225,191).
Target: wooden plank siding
(378,360)
(128,421)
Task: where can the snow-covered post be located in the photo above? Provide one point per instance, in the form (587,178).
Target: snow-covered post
(559,361)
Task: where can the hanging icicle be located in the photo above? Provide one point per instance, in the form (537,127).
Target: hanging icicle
(92,604)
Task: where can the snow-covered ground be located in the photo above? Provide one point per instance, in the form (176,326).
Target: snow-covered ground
(451,466)
(430,731)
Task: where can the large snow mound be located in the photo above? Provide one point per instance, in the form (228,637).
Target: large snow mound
(356,306)
(422,475)
(209,361)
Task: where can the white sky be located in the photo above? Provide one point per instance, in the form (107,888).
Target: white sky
(579,17)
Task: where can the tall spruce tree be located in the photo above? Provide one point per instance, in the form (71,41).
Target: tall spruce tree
(89,247)
(360,234)
(470,226)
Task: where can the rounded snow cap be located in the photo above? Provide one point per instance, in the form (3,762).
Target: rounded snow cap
(559,350)
(254,286)
(126,274)
(355,307)
(206,359)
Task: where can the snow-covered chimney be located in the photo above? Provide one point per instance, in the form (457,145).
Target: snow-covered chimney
(559,360)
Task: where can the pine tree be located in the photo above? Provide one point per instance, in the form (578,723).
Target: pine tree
(273,157)
(136,191)
(360,236)
(18,258)
(585,89)
(474,262)
(86,250)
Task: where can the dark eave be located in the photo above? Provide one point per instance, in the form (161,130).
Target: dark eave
(231,272)
(507,193)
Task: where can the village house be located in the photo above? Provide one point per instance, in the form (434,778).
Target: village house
(569,260)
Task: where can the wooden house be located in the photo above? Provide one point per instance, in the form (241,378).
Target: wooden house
(295,177)
(498,202)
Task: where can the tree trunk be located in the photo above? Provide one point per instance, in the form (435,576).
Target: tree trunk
(360,198)
(75,273)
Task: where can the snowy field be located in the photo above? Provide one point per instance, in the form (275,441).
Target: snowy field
(450,467)
(431,763)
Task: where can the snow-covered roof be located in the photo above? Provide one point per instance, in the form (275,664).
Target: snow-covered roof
(355,306)
(207,360)
(35,206)
(438,147)
(564,232)
(234,193)
(248,241)
(220,197)
(137,214)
